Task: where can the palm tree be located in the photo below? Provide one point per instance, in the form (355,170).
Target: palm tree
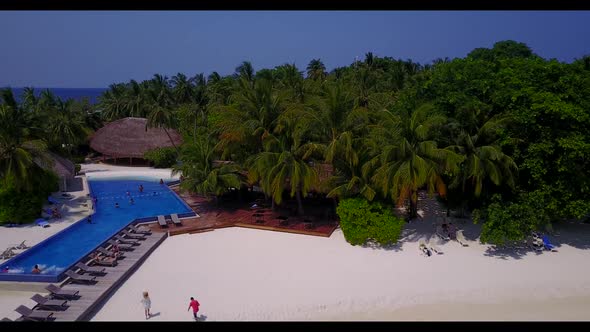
(112,102)
(19,152)
(245,72)
(200,100)
(484,159)
(200,172)
(349,180)
(287,159)
(289,77)
(183,88)
(162,117)
(253,118)
(219,89)
(316,70)
(65,128)
(136,100)
(406,160)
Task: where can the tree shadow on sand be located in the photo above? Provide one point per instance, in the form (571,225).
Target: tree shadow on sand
(376,246)
(573,234)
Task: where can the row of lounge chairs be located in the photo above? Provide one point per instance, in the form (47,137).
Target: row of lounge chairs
(59,298)
(164,223)
(9,252)
(44,309)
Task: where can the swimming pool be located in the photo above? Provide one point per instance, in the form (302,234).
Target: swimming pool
(59,252)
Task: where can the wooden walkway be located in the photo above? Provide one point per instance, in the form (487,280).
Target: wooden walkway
(92,296)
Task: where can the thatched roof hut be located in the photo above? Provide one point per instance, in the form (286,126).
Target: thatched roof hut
(128,138)
(65,169)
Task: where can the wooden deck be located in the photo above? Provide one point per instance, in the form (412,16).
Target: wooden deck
(212,217)
(93,296)
(283,229)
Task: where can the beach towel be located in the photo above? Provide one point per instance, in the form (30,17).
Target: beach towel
(42,222)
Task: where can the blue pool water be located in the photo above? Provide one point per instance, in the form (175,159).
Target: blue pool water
(70,245)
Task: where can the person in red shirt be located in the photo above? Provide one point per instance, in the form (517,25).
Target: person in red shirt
(195,305)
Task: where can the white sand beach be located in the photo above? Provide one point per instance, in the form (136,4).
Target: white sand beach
(240,274)
(252,275)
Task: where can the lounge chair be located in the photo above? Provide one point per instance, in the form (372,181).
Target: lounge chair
(22,245)
(7,254)
(547,244)
(126,241)
(531,243)
(101,260)
(44,303)
(461,239)
(175,219)
(424,249)
(109,254)
(90,269)
(59,293)
(162,221)
(122,246)
(80,278)
(441,234)
(139,229)
(127,234)
(35,315)
(434,247)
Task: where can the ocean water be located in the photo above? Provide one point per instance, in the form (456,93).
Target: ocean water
(66,93)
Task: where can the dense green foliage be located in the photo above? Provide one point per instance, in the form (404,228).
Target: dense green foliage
(161,157)
(501,121)
(28,132)
(21,207)
(506,223)
(363,221)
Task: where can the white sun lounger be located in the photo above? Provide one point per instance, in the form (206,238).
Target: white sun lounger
(461,239)
(162,221)
(434,247)
(175,219)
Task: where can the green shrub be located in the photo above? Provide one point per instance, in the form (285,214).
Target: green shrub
(161,157)
(505,222)
(362,221)
(22,207)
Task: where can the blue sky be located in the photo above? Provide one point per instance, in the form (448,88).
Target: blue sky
(94,49)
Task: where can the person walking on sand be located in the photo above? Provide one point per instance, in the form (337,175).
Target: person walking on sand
(147,304)
(195,305)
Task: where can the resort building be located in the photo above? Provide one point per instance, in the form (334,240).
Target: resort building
(129,138)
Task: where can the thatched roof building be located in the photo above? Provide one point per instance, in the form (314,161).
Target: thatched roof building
(128,138)
(65,169)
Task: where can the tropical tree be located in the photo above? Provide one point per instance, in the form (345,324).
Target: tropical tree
(19,152)
(408,159)
(250,120)
(66,129)
(183,88)
(112,103)
(287,159)
(316,70)
(202,173)
(484,159)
